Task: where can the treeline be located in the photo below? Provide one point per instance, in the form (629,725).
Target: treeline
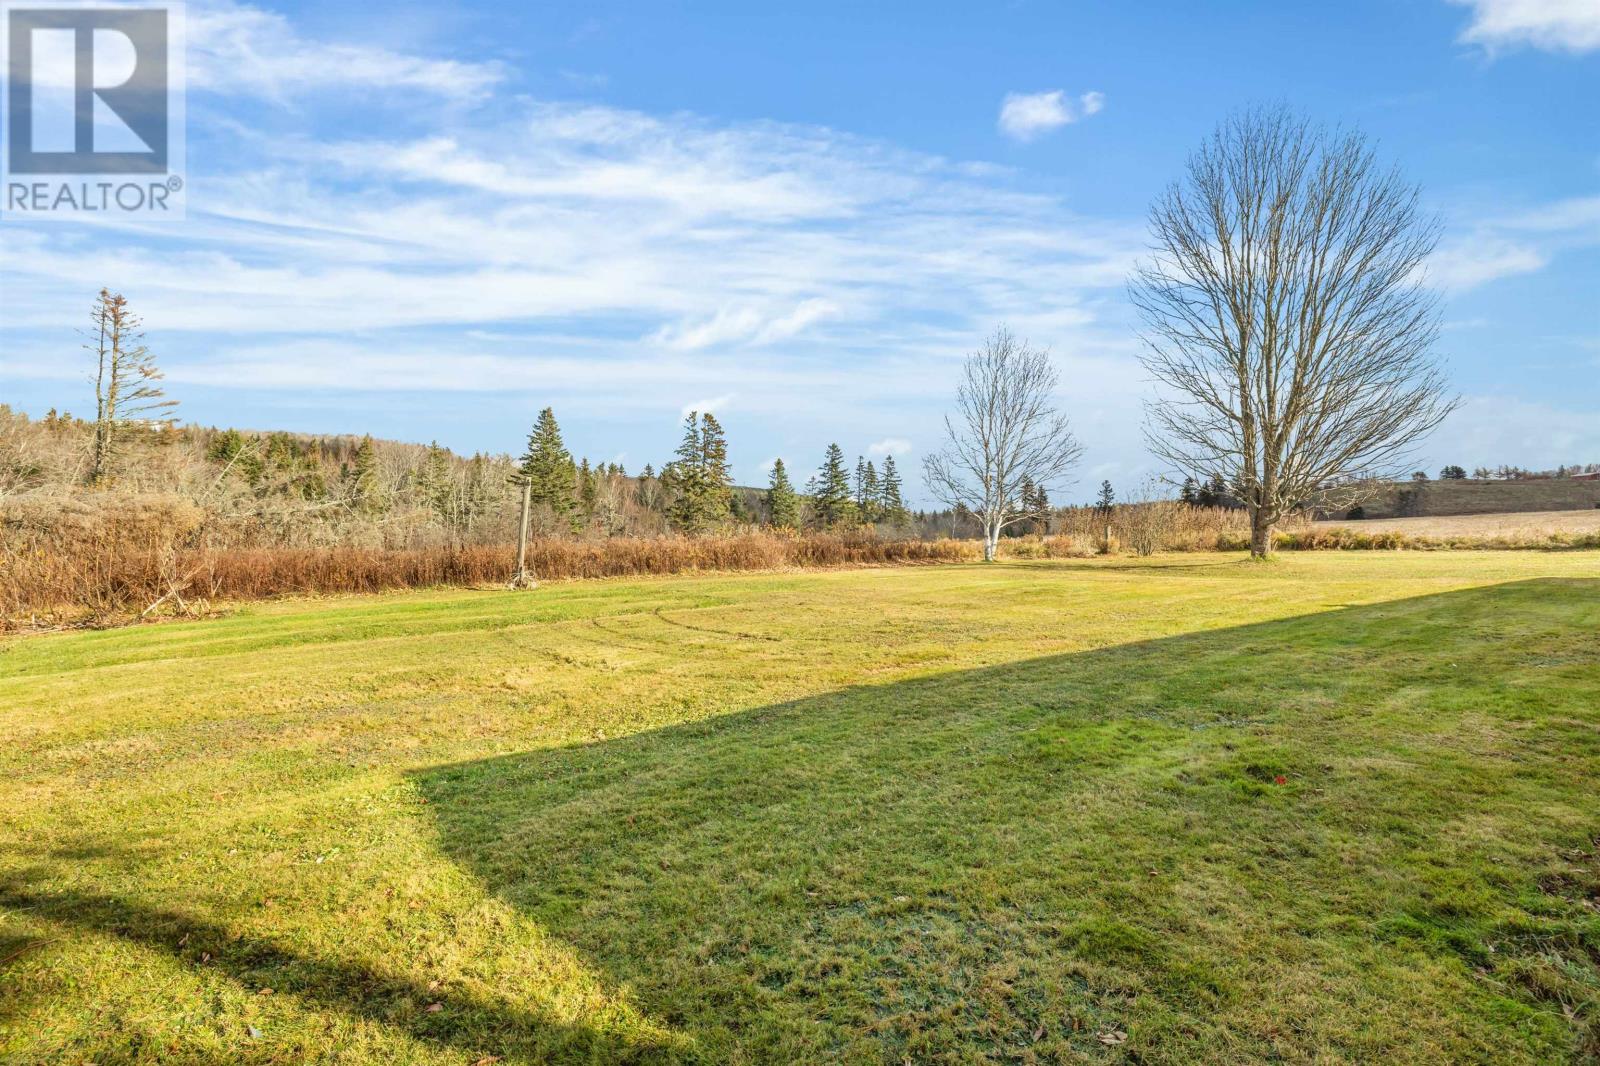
(694,493)
(1509,473)
(287,489)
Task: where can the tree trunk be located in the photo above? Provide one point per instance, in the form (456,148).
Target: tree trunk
(1260,534)
(991,542)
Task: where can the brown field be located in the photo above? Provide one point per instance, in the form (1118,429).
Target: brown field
(1523,524)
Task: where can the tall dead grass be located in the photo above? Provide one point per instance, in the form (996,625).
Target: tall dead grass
(131,557)
(116,557)
(1159,525)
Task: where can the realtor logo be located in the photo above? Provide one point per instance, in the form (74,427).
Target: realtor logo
(93,110)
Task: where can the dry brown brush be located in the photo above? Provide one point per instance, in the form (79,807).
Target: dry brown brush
(126,557)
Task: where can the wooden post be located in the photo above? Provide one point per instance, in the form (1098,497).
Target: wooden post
(522,579)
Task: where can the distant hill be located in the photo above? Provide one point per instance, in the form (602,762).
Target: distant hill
(1408,499)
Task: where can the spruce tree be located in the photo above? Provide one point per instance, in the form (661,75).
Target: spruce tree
(1107,501)
(548,468)
(364,485)
(434,482)
(782,502)
(890,501)
(1026,504)
(715,471)
(700,477)
(831,497)
(588,488)
(681,477)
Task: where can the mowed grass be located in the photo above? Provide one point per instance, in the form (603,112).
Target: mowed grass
(1026,812)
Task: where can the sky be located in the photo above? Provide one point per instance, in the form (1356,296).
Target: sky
(427,222)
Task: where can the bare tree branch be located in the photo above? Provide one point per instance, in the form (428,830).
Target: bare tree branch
(1003,433)
(1286,320)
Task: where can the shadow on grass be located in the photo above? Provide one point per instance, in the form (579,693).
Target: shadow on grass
(1021,860)
(465,1021)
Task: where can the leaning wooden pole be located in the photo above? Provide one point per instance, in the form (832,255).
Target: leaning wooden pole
(523,579)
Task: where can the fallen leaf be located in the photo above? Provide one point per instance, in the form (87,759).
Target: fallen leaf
(255,1034)
(1038,1034)
(1113,1037)
(265,992)
(435,1008)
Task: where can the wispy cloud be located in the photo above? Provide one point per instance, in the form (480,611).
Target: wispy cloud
(1026,116)
(1466,264)
(1552,25)
(1511,242)
(237,49)
(746,325)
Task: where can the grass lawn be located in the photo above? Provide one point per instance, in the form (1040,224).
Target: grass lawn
(1028,812)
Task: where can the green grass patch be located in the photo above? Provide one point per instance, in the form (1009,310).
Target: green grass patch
(1189,809)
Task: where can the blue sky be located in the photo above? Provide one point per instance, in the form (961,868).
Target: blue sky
(427,222)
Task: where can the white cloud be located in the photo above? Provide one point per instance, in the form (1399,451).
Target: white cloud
(1467,264)
(744,325)
(234,48)
(585,219)
(1025,116)
(706,407)
(1552,25)
(889,446)
(1504,243)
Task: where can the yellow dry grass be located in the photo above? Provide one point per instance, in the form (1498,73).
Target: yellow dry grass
(1523,524)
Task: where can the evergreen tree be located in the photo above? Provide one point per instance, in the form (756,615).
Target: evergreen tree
(364,486)
(1106,502)
(1041,511)
(588,489)
(239,455)
(1190,493)
(782,502)
(1214,493)
(1025,503)
(890,501)
(715,468)
(831,496)
(547,467)
(700,477)
(434,484)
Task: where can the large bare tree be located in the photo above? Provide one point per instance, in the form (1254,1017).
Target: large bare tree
(1287,322)
(1005,432)
(127,384)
